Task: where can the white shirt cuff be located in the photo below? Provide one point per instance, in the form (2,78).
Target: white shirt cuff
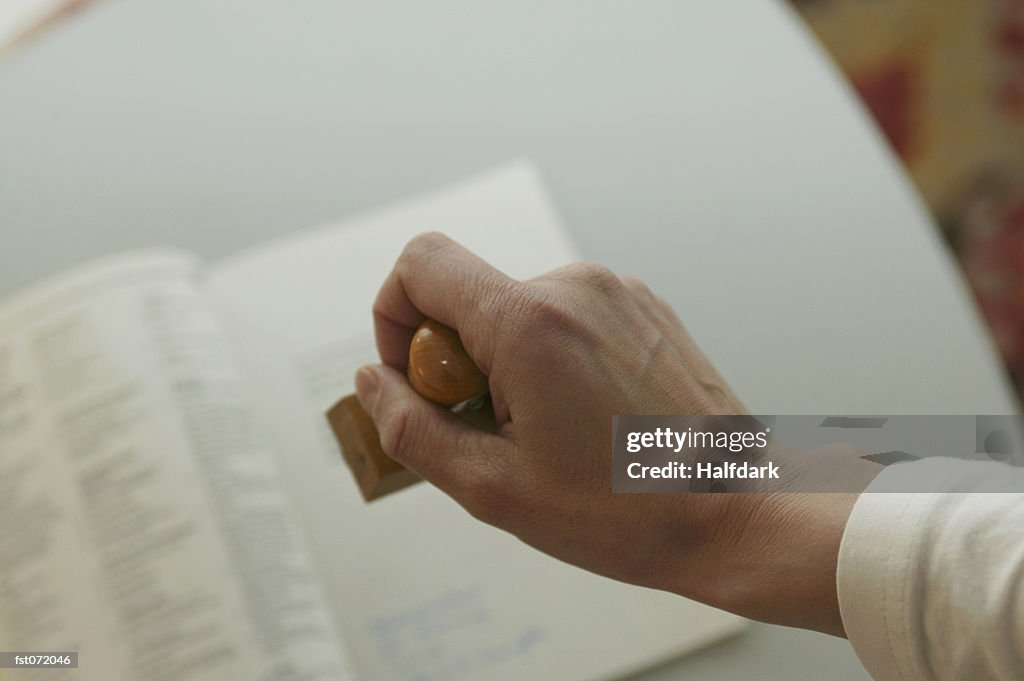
(884,561)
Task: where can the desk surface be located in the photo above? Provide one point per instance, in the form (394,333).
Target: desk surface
(705,146)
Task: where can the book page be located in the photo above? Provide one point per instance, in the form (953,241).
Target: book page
(422,591)
(142,523)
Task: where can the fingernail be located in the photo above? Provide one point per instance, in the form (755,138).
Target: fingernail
(367,387)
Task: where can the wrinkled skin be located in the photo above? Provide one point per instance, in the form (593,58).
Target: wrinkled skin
(564,352)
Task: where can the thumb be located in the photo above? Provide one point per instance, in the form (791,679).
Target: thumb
(425,438)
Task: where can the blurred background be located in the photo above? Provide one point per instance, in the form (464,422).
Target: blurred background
(216,124)
(945,82)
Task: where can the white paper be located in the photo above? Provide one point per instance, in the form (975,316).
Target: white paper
(421,590)
(141,523)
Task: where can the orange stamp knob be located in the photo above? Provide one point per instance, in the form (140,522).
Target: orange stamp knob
(440,369)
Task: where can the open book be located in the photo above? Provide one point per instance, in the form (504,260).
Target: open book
(173,506)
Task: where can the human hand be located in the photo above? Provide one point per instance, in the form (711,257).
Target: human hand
(564,352)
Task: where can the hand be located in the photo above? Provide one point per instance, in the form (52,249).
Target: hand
(565,352)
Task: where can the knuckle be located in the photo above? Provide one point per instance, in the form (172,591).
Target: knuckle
(423,245)
(598,277)
(528,314)
(380,307)
(641,292)
(396,429)
(634,284)
(667,308)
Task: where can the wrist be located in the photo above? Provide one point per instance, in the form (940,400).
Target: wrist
(773,557)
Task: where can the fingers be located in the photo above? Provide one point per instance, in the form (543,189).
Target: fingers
(429,440)
(436,277)
(597,278)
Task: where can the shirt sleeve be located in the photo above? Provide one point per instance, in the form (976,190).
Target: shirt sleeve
(931,585)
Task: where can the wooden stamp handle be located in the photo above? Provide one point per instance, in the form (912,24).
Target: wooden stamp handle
(441,371)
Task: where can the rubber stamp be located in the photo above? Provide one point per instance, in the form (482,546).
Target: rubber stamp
(441,371)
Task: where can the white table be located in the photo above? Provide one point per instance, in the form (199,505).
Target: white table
(706,146)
